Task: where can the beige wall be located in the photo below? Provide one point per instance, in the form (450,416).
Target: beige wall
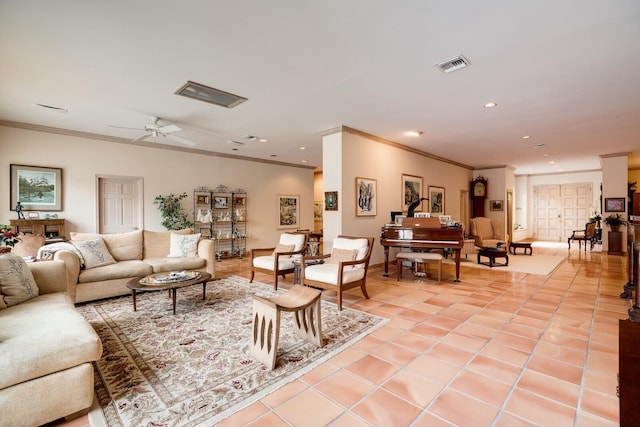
(367,157)
(163,171)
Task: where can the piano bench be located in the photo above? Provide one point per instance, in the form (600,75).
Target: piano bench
(419,258)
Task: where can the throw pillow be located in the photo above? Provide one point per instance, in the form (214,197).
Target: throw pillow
(16,281)
(184,245)
(283,248)
(340,255)
(94,252)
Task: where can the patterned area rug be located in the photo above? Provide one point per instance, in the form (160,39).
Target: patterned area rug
(535,264)
(194,368)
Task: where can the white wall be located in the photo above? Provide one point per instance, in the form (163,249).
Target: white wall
(367,157)
(163,171)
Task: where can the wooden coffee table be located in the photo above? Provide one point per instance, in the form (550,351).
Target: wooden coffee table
(493,253)
(524,245)
(135,286)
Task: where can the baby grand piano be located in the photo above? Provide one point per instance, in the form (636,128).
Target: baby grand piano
(422,233)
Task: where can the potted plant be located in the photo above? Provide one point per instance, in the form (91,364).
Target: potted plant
(614,221)
(173,217)
(7,238)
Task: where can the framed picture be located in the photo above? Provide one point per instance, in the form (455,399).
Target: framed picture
(399,219)
(436,200)
(239,201)
(36,188)
(422,215)
(614,204)
(33,215)
(411,191)
(445,219)
(220,202)
(202,199)
(495,205)
(366,194)
(288,211)
(330,200)
(317,211)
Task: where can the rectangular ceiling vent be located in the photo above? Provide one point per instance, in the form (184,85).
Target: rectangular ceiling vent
(453,64)
(208,94)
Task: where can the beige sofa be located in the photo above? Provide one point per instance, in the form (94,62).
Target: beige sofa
(137,253)
(46,350)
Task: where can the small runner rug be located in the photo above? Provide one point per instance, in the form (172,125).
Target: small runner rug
(194,368)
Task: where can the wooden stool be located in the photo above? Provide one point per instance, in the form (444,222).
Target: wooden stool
(419,257)
(304,302)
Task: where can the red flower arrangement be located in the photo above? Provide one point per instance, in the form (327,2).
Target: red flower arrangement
(7,237)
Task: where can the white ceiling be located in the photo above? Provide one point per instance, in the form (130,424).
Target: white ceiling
(567,73)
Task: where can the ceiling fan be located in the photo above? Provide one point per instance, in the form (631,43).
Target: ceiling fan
(155,129)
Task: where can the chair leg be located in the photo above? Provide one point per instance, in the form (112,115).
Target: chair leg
(363,287)
(399,270)
(339,299)
(252,274)
(440,271)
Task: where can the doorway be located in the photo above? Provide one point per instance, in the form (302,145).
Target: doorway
(560,209)
(119,204)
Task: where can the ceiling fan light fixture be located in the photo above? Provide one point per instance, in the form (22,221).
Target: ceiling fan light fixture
(208,94)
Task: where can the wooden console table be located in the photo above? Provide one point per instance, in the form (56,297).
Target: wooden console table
(51,229)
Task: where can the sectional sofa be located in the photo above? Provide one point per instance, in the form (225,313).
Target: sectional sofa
(137,253)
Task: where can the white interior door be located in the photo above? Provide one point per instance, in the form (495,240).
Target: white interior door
(119,204)
(560,209)
(547,204)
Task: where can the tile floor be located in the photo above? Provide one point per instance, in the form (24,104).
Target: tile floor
(496,349)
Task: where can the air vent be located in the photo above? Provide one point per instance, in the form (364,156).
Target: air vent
(453,64)
(208,94)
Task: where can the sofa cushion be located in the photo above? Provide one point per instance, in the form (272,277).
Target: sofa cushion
(156,243)
(16,281)
(120,270)
(94,252)
(183,245)
(122,246)
(162,264)
(44,335)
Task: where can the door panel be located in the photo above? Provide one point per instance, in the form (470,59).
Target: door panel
(560,209)
(120,204)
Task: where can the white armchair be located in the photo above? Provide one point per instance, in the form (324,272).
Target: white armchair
(277,261)
(345,268)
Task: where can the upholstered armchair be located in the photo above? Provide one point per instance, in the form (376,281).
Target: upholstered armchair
(345,268)
(277,261)
(587,234)
(484,233)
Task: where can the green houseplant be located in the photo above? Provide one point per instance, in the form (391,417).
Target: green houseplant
(614,221)
(173,217)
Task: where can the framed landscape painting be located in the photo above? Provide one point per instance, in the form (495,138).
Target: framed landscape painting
(288,211)
(366,194)
(36,188)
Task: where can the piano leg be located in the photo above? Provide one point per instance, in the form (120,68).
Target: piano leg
(457,251)
(386,261)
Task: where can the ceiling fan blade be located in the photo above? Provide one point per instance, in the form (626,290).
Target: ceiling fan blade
(169,129)
(182,140)
(142,138)
(124,127)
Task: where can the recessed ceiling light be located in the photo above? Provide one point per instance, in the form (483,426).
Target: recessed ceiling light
(526,137)
(414,133)
(537,146)
(304,161)
(303,148)
(490,105)
(262,140)
(546,155)
(551,161)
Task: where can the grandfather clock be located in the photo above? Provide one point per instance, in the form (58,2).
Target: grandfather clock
(478,195)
